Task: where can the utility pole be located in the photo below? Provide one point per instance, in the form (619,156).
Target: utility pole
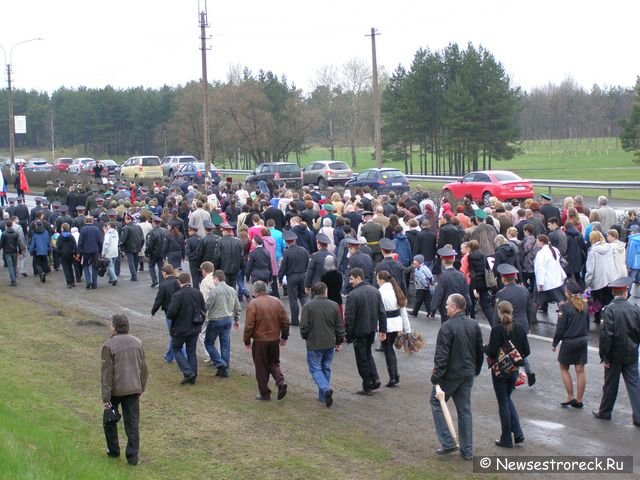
(204,24)
(377,122)
(12,126)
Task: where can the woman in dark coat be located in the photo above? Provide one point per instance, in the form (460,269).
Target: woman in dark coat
(572,330)
(505,253)
(176,248)
(478,289)
(576,252)
(259,263)
(503,385)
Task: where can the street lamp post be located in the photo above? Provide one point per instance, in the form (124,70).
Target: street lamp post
(12,146)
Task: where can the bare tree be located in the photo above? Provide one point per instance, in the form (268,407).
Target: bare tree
(357,82)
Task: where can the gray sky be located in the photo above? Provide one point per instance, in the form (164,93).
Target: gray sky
(155,42)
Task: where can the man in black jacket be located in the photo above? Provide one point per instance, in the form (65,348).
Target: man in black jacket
(392,266)
(450,281)
(294,266)
(458,358)
(425,244)
(315,269)
(166,290)
(10,245)
(364,314)
(619,339)
(131,242)
(209,246)
(156,249)
(187,312)
(231,258)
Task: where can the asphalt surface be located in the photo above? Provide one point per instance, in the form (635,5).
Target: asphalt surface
(549,429)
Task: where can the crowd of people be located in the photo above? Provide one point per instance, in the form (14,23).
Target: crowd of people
(349,264)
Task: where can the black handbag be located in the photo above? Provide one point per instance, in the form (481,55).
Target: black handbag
(111,416)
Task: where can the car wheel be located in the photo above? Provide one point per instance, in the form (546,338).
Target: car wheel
(486,196)
(322,183)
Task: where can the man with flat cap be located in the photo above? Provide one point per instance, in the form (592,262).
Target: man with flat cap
(450,281)
(372,231)
(294,266)
(391,265)
(520,300)
(315,269)
(619,339)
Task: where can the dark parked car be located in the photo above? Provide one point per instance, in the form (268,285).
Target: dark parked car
(279,173)
(195,172)
(111,168)
(380,180)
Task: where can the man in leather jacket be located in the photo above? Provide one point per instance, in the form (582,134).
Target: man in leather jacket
(619,339)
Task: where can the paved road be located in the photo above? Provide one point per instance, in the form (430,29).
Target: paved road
(549,429)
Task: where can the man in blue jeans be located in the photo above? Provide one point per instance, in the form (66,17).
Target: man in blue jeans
(458,358)
(322,327)
(222,305)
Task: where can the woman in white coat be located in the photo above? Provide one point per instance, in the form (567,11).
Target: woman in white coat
(550,275)
(601,270)
(110,250)
(395,303)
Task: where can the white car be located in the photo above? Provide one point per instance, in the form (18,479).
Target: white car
(76,167)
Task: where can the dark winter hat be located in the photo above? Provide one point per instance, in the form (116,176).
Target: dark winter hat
(419,258)
(387,244)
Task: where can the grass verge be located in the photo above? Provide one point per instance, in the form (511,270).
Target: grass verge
(50,417)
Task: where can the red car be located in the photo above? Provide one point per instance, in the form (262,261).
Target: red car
(490,183)
(62,164)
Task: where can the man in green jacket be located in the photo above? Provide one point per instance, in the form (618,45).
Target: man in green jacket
(124,377)
(322,327)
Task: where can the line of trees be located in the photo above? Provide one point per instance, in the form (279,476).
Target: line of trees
(449,112)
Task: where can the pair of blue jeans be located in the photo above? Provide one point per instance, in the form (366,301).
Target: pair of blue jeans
(90,276)
(319,362)
(219,328)
(188,364)
(111,270)
(509,419)
(169,355)
(11,259)
(460,390)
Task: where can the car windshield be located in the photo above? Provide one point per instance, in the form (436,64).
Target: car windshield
(338,166)
(391,173)
(506,176)
(150,161)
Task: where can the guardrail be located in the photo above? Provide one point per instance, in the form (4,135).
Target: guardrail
(537,182)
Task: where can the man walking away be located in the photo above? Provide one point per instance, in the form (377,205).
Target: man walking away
(223,307)
(10,245)
(268,326)
(619,339)
(187,313)
(124,377)
(364,314)
(294,266)
(166,290)
(321,327)
(458,358)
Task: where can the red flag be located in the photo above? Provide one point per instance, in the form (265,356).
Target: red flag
(133,193)
(24,186)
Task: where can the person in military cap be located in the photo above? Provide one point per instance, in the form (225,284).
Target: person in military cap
(23,214)
(390,264)
(156,244)
(231,255)
(619,339)
(100,211)
(329,208)
(36,209)
(11,209)
(79,221)
(520,300)
(548,209)
(294,267)
(209,246)
(450,281)
(361,260)
(50,191)
(315,269)
(372,231)
(62,192)
(131,242)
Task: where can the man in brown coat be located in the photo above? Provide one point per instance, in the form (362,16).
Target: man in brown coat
(124,377)
(267,325)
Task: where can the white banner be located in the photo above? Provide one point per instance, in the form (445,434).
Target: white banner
(20,124)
